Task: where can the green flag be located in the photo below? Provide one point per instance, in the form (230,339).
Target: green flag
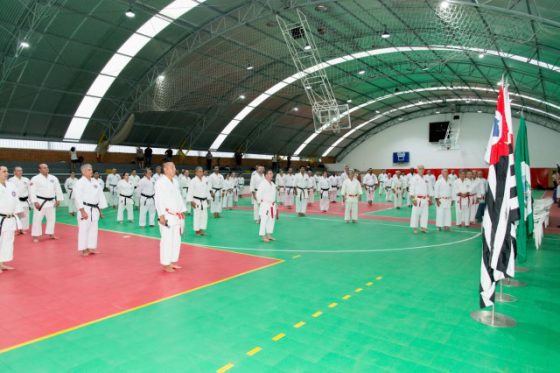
(523,177)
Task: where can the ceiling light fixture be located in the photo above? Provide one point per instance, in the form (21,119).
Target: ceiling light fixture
(361,72)
(160,77)
(437,112)
(295,109)
(24,44)
(242,97)
(130,13)
(481,56)
(385,35)
(349,101)
(377,111)
(444,4)
(307,47)
(250,67)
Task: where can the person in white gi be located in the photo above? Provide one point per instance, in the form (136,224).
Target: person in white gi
(99,180)
(408,179)
(474,199)
(279,181)
(432,178)
(443,194)
(420,194)
(397,187)
(301,183)
(90,200)
(333,182)
(256,178)
(370,182)
(228,192)
(134,179)
(382,178)
(69,186)
(351,192)
(10,208)
(198,197)
(240,186)
(22,186)
(216,184)
(481,194)
(452,177)
(147,203)
(171,211)
(112,181)
(46,194)
(463,190)
(388,190)
(126,198)
(184,184)
(311,188)
(289,180)
(157,174)
(268,211)
(324,187)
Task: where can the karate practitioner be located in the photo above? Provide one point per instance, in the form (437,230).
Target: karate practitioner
(90,200)
(112,181)
(311,188)
(46,194)
(420,194)
(228,192)
(382,178)
(134,179)
(256,178)
(474,196)
(216,184)
(289,180)
(397,187)
(147,203)
(157,175)
(268,211)
(324,188)
(10,208)
(301,183)
(126,198)
(184,184)
(388,190)
(463,190)
(333,182)
(198,197)
(171,211)
(351,193)
(69,185)
(236,188)
(443,194)
(370,182)
(481,193)
(22,186)
(240,187)
(408,179)
(99,180)
(279,181)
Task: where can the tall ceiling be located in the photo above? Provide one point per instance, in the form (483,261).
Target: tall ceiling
(192,79)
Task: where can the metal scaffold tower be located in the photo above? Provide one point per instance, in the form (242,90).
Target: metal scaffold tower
(327,113)
(451,140)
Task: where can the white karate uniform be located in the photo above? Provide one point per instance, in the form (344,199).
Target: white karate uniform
(9,222)
(170,203)
(352,192)
(41,189)
(420,190)
(474,198)
(408,179)
(281,195)
(216,184)
(134,180)
(463,203)
(256,180)
(126,200)
(333,182)
(311,188)
(155,177)
(146,194)
(324,187)
(301,183)
(370,181)
(268,211)
(184,183)
(238,183)
(88,195)
(397,186)
(388,190)
(199,194)
(112,182)
(69,186)
(22,186)
(443,192)
(382,178)
(290,191)
(228,193)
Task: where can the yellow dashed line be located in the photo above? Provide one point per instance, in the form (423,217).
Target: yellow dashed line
(346,297)
(317,314)
(225,368)
(278,337)
(299,324)
(379,278)
(333,305)
(254,351)
(369,283)
(358,290)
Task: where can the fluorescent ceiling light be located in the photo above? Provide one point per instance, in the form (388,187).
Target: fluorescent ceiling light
(87,107)
(24,44)
(100,85)
(116,65)
(153,26)
(385,35)
(130,13)
(134,44)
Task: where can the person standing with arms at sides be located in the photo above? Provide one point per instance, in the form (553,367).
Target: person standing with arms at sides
(351,192)
(134,179)
(69,186)
(112,181)
(443,196)
(46,194)
(157,175)
(209,157)
(462,189)
(168,154)
(311,187)
(74,159)
(388,190)
(10,208)
(198,196)
(90,200)
(408,178)
(420,194)
(228,192)
(148,156)
(236,188)
(184,184)
(481,193)
(99,180)
(216,184)
(289,181)
(334,189)
(126,198)
(256,178)
(279,181)
(397,186)
(370,181)
(301,182)
(382,178)
(139,157)
(268,211)
(432,178)
(171,211)
(324,187)
(22,186)
(147,203)
(474,198)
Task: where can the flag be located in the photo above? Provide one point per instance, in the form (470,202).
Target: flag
(502,211)
(523,178)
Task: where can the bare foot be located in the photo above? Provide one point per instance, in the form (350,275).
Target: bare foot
(424,231)
(7,268)
(202,233)
(175,266)
(168,269)
(35,239)
(415,231)
(53,237)
(265,239)
(93,252)
(85,253)
(270,238)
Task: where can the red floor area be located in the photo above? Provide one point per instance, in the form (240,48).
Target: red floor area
(53,289)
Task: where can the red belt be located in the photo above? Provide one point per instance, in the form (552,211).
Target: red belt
(420,197)
(352,195)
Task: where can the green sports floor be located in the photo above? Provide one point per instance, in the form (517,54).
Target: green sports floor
(363,297)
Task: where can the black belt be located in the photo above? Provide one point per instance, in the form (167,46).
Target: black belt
(4,217)
(304,189)
(45,200)
(147,197)
(24,199)
(202,200)
(126,197)
(93,206)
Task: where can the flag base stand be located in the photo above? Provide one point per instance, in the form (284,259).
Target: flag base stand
(501,297)
(493,319)
(521,269)
(511,283)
